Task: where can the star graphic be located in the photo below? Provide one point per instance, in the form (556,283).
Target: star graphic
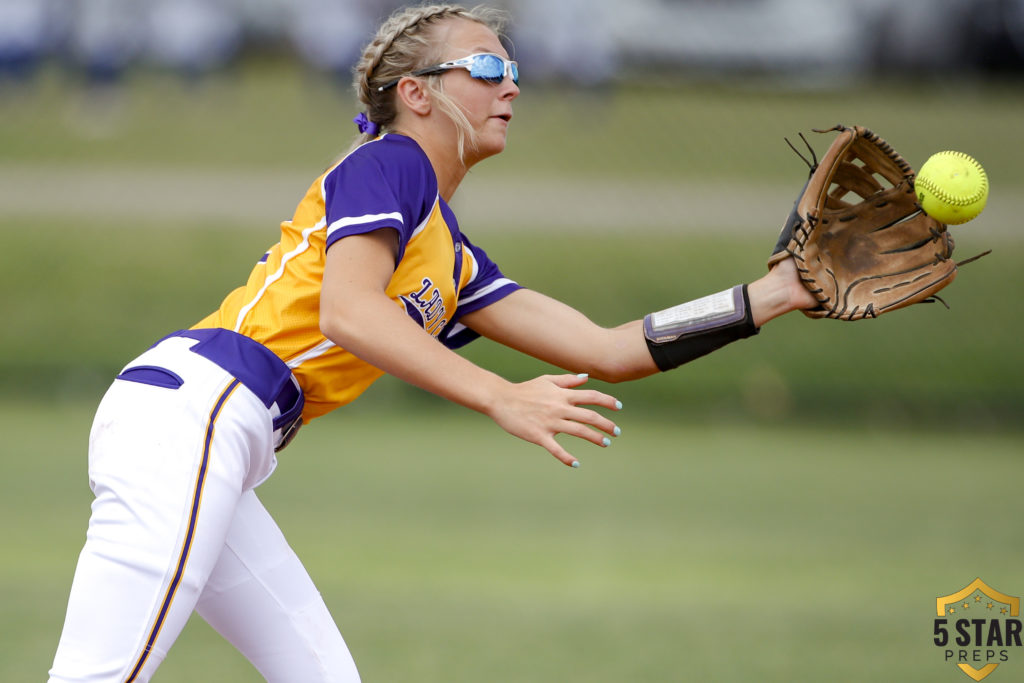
(967,605)
(989,605)
(977,598)
(1003,610)
(952,610)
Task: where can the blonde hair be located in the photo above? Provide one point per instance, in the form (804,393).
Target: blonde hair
(407,42)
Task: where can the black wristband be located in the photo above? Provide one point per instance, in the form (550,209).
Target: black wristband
(686,332)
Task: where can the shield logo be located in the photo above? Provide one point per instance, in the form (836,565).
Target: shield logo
(982,616)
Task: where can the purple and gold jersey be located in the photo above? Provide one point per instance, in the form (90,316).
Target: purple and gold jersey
(439,276)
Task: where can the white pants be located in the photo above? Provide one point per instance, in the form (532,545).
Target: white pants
(177,527)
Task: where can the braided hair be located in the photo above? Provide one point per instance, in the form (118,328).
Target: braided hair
(404,43)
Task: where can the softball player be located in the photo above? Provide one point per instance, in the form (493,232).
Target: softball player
(371,275)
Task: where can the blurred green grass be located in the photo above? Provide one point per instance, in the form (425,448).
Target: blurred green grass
(450,552)
(90,300)
(273,114)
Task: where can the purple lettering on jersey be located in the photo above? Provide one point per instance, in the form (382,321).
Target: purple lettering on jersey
(426,307)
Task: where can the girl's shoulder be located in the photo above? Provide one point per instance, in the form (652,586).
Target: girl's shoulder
(390,151)
(394,159)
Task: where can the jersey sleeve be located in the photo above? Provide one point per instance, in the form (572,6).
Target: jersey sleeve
(486,285)
(378,186)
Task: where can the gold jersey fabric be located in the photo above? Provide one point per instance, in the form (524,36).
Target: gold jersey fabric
(439,275)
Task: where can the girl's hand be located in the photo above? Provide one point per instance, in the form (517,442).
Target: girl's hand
(799,296)
(540,408)
(778,292)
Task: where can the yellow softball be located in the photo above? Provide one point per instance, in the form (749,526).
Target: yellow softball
(952,187)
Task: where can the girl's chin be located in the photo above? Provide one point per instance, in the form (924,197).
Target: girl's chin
(488,146)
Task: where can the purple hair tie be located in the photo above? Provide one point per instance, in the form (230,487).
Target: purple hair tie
(366,125)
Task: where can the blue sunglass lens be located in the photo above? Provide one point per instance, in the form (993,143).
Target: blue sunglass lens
(492,69)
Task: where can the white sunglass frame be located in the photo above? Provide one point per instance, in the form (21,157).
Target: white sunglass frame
(466,63)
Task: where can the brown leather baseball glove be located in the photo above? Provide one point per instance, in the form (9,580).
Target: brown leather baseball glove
(861,242)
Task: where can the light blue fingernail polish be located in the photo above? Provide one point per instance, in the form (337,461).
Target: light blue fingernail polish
(618,405)
(616,431)
(606,441)
(583,375)
(575,464)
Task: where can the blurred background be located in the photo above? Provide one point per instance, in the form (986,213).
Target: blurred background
(586,43)
(660,126)
(799,498)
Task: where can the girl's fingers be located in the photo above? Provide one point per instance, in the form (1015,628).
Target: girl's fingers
(561,414)
(567,381)
(590,397)
(594,419)
(584,432)
(560,453)
(584,396)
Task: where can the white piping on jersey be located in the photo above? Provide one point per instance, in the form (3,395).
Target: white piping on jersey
(423,224)
(323,178)
(326,345)
(497,284)
(271,279)
(315,352)
(456,329)
(476,266)
(361,220)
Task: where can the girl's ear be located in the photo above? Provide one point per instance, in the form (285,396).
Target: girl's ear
(413,94)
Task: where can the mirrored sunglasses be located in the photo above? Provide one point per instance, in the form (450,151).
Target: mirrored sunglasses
(484,66)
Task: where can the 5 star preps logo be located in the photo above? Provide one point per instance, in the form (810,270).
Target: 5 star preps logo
(977,628)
